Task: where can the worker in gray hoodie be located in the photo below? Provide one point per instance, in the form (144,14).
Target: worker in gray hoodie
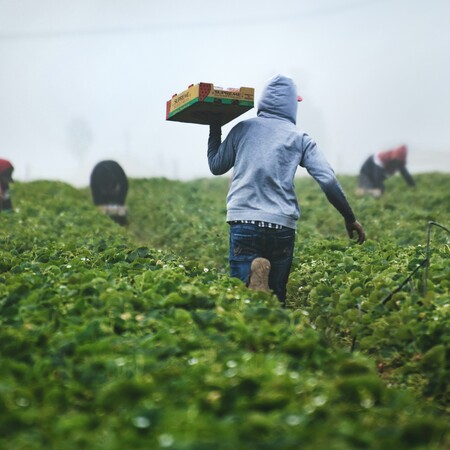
(262,207)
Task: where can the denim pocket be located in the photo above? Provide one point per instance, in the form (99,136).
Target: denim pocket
(243,243)
(282,244)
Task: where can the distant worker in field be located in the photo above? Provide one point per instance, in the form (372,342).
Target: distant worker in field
(6,171)
(380,166)
(262,207)
(109,187)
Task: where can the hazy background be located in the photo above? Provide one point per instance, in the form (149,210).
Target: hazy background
(86,80)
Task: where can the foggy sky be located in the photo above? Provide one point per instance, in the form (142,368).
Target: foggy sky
(89,80)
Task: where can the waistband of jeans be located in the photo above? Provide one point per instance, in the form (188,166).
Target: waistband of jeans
(259,223)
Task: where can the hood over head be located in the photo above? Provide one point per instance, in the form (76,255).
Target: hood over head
(279,99)
(400,153)
(397,154)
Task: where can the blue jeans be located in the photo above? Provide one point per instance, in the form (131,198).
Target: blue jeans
(249,241)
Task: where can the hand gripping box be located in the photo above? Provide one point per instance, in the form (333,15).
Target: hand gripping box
(205,103)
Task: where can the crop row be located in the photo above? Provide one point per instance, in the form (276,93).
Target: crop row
(121,338)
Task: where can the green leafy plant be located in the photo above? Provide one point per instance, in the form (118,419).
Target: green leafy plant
(136,337)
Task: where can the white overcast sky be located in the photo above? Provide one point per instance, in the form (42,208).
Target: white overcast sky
(86,80)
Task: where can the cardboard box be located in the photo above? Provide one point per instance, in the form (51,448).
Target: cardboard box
(204,103)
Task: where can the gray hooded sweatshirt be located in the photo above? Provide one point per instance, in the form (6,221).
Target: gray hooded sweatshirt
(265,153)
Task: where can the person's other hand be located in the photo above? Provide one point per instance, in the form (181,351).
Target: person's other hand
(356,226)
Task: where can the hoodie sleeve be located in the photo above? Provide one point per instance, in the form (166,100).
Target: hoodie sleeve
(318,167)
(407,176)
(220,155)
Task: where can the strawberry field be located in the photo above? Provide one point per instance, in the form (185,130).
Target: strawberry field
(136,338)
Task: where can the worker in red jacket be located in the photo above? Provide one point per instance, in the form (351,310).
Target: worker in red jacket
(6,170)
(380,166)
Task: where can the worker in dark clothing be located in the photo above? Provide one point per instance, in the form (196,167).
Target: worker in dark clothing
(6,170)
(378,167)
(109,187)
